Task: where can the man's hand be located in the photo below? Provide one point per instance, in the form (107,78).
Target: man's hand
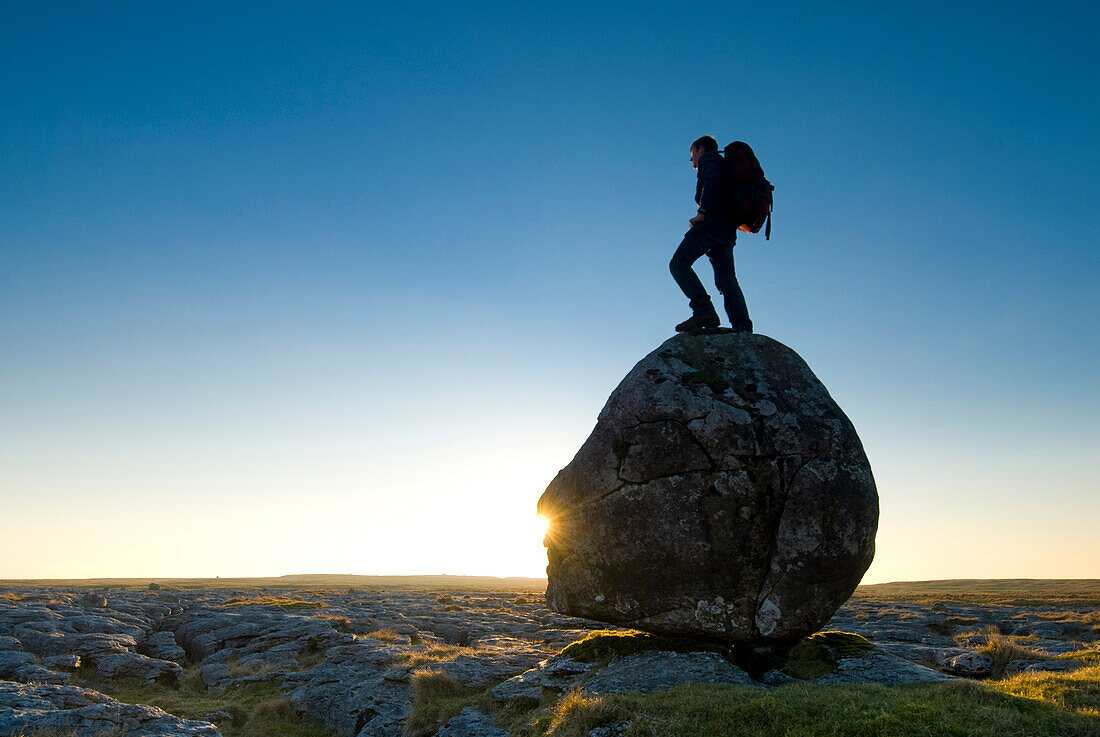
(696,220)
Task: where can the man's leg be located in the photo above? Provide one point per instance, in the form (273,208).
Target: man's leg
(694,245)
(725,278)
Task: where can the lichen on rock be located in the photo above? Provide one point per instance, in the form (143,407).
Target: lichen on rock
(722,493)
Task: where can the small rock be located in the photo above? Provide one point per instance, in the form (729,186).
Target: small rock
(132,665)
(93,600)
(612,730)
(12,659)
(776,678)
(32,673)
(1043,666)
(62,662)
(471,723)
(970,665)
(558,673)
(162,645)
(215,675)
(1056,647)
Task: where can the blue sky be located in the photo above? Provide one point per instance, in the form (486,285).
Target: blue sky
(339,288)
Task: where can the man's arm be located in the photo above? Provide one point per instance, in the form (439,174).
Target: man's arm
(710,176)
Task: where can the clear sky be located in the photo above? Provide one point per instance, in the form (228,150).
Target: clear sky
(339,287)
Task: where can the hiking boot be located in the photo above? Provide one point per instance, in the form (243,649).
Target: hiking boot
(699,321)
(743,327)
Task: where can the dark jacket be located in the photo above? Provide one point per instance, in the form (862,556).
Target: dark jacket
(712,195)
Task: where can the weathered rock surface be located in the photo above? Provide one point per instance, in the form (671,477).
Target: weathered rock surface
(348,663)
(723,492)
(559,673)
(162,645)
(878,666)
(649,671)
(471,723)
(25,708)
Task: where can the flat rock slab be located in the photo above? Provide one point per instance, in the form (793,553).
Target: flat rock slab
(878,666)
(471,723)
(649,671)
(30,707)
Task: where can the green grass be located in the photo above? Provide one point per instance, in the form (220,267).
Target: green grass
(956,709)
(256,709)
(1077,691)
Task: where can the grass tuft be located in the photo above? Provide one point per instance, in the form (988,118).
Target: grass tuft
(578,713)
(1003,649)
(436,697)
(431,654)
(279,601)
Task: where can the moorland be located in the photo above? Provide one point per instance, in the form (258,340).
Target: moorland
(362,655)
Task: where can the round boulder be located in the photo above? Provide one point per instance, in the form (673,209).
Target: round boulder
(722,493)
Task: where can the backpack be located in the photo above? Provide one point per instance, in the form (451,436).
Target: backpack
(750,192)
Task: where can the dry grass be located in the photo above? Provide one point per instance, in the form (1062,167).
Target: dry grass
(384,634)
(432,654)
(577,714)
(236,670)
(10,596)
(1003,649)
(279,601)
(339,623)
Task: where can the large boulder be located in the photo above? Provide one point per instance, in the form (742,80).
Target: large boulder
(722,493)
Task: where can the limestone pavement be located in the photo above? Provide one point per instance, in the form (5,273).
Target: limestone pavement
(347,658)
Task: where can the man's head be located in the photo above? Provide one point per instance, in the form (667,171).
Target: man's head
(701,146)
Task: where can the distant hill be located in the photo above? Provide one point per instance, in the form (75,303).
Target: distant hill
(1014,591)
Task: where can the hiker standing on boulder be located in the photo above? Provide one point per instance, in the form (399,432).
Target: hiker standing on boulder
(712,234)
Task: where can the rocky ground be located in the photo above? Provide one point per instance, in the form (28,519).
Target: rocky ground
(349,659)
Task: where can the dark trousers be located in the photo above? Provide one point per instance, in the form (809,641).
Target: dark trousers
(720,252)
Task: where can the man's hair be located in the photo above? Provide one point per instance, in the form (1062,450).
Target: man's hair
(707,143)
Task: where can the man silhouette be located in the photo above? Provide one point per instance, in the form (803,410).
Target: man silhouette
(712,234)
